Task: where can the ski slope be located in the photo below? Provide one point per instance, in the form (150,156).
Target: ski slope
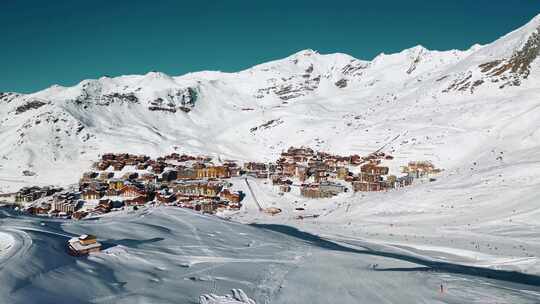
(170,255)
(472,112)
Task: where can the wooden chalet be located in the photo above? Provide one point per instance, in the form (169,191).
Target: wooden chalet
(83,245)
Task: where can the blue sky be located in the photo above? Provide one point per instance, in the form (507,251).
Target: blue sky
(65,41)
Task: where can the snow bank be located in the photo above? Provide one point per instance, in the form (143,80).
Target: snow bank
(238,296)
(6,243)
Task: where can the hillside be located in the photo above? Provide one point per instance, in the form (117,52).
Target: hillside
(454,107)
(473,112)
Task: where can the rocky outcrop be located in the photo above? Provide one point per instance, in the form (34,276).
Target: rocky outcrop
(354,68)
(342,83)
(181,99)
(511,71)
(30,105)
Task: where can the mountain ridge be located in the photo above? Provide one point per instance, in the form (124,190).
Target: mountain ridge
(319,98)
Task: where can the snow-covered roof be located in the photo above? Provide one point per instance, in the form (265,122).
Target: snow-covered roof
(76,245)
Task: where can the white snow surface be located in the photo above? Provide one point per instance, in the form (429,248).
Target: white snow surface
(172,255)
(238,296)
(481,211)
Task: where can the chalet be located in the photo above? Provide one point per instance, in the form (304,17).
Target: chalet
(103,165)
(89,176)
(198,189)
(343,161)
(342,173)
(333,188)
(356,160)
(67,196)
(65,207)
(118,165)
(404,181)
(42,209)
(302,172)
(112,192)
(186,173)
(320,175)
(419,169)
(208,206)
(108,157)
(313,191)
(185,158)
(132,191)
(116,183)
(213,172)
(230,196)
(83,245)
(165,198)
(284,188)
(368,177)
(289,169)
(91,194)
(106,204)
(374,169)
(105,175)
(253,167)
(158,168)
(137,201)
(130,175)
(101,209)
(367,186)
(96,185)
(169,175)
(173,155)
(142,166)
(234,171)
(146,178)
(391,181)
(30,194)
(79,215)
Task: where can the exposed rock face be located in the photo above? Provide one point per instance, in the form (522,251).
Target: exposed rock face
(31,105)
(181,99)
(354,68)
(269,124)
(415,62)
(108,99)
(7,97)
(511,71)
(292,87)
(342,83)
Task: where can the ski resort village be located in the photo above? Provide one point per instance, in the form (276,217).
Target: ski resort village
(412,177)
(124,181)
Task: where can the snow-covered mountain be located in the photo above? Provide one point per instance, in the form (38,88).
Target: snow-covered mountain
(475,113)
(453,107)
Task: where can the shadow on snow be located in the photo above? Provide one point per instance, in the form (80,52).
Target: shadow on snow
(438,266)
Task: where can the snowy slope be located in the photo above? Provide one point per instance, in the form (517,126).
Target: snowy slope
(436,100)
(170,255)
(474,113)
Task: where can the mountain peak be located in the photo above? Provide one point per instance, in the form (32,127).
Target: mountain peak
(306,52)
(156,75)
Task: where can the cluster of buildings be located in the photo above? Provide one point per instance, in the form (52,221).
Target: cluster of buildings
(323,175)
(119,181)
(30,194)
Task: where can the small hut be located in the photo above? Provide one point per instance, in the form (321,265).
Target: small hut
(83,245)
